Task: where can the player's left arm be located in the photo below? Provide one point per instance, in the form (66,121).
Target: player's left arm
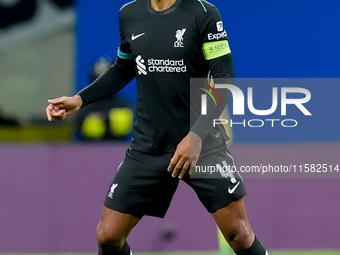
(222,71)
(217,52)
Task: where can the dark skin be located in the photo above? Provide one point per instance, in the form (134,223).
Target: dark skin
(161,5)
(114,227)
(186,154)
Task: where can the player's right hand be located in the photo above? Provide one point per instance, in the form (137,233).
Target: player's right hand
(61,107)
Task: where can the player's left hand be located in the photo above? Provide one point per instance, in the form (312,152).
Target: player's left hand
(186,155)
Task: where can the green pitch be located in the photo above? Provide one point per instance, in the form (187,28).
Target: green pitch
(271,253)
(201,253)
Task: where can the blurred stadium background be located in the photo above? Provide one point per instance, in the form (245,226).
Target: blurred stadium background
(54,175)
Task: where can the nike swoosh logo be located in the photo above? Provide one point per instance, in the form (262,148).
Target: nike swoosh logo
(231,191)
(134,37)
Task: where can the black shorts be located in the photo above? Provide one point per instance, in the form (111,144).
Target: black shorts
(143,186)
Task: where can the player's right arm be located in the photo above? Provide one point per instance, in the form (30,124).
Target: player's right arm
(110,82)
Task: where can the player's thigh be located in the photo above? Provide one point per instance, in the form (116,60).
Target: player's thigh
(216,189)
(114,227)
(142,185)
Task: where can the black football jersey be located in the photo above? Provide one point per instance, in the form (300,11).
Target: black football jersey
(165,49)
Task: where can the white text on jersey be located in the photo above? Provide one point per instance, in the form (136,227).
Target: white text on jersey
(217,36)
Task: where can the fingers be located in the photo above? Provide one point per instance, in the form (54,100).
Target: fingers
(192,166)
(55,109)
(184,170)
(178,166)
(184,158)
(173,163)
(48,112)
(60,114)
(60,101)
(52,113)
(177,169)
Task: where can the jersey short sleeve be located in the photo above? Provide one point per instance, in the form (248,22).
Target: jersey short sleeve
(214,36)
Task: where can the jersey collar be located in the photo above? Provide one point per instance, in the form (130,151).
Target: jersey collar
(167,11)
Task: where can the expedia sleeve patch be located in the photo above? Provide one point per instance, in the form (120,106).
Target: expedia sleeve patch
(217,49)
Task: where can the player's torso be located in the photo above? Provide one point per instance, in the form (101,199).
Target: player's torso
(167,50)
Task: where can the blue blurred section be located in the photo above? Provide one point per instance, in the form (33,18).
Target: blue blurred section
(98,34)
(284,38)
(268,39)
